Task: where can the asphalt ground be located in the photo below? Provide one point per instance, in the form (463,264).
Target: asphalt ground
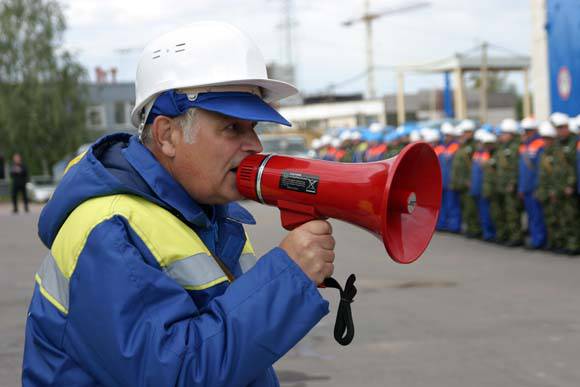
(466,314)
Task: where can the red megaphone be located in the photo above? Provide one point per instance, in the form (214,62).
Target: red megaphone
(397,199)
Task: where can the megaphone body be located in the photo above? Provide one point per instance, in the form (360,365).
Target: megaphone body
(397,200)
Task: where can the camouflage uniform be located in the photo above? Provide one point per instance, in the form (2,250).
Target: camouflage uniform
(554,176)
(489,189)
(569,204)
(460,182)
(509,224)
(394,150)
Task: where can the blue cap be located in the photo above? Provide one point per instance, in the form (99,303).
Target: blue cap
(245,106)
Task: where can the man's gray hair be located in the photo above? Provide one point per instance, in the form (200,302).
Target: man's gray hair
(187,123)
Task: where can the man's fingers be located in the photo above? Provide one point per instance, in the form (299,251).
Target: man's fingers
(326,242)
(318,227)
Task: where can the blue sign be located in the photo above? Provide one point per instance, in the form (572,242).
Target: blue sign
(563,30)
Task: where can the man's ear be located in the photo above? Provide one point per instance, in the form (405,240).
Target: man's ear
(164,135)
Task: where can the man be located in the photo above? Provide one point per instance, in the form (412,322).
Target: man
(19,178)
(552,177)
(569,201)
(150,279)
(482,181)
(450,213)
(461,179)
(530,149)
(509,225)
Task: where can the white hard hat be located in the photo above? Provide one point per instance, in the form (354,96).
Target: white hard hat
(415,136)
(479,134)
(575,125)
(448,129)
(431,135)
(345,135)
(316,143)
(356,135)
(559,119)
(326,139)
(467,125)
(547,130)
(211,56)
(488,138)
(509,125)
(375,127)
(529,123)
(335,142)
(457,131)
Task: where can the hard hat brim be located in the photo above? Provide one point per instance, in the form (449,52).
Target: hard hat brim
(272,91)
(244,106)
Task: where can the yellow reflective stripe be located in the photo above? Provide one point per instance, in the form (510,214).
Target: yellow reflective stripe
(75,231)
(168,238)
(74,161)
(47,295)
(207,285)
(248,248)
(196,272)
(247,261)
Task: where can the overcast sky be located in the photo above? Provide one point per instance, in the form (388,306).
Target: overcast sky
(325,52)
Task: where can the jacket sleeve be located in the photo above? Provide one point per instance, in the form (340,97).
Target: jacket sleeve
(131,325)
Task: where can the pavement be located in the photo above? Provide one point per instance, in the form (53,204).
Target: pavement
(466,314)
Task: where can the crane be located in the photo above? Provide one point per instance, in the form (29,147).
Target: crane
(368,18)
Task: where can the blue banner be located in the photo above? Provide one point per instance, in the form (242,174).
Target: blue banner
(563,30)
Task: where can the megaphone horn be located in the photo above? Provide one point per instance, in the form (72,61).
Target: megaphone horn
(398,199)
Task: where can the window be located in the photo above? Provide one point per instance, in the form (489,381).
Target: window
(96,117)
(121,113)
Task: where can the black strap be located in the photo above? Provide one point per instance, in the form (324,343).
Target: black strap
(344,327)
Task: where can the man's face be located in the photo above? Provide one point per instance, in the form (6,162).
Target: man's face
(466,136)
(506,137)
(207,167)
(563,131)
(528,134)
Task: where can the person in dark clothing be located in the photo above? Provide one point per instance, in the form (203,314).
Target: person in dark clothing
(19,178)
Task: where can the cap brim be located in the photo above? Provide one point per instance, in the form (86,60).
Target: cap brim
(246,107)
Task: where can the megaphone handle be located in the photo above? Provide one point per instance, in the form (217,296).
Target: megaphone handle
(344,326)
(293,214)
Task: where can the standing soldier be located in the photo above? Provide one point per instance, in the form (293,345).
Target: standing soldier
(530,149)
(509,226)
(450,213)
(482,162)
(569,201)
(359,147)
(461,179)
(346,152)
(577,131)
(552,177)
(377,148)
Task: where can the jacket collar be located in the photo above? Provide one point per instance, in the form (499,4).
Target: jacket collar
(173,194)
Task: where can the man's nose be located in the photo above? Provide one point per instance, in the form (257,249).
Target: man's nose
(253,143)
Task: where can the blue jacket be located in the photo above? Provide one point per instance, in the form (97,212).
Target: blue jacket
(529,160)
(446,162)
(130,293)
(478,160)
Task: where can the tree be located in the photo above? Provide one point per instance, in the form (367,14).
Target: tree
(43,93)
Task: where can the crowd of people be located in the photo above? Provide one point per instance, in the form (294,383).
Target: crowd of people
(517,184)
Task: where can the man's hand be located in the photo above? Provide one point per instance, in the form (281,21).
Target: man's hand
(311,246)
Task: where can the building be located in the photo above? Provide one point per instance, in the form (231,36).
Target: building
(319,114)
(109,108)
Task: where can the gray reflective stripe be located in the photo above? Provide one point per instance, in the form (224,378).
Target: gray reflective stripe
(247,261)
(196,272)
(53,281)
